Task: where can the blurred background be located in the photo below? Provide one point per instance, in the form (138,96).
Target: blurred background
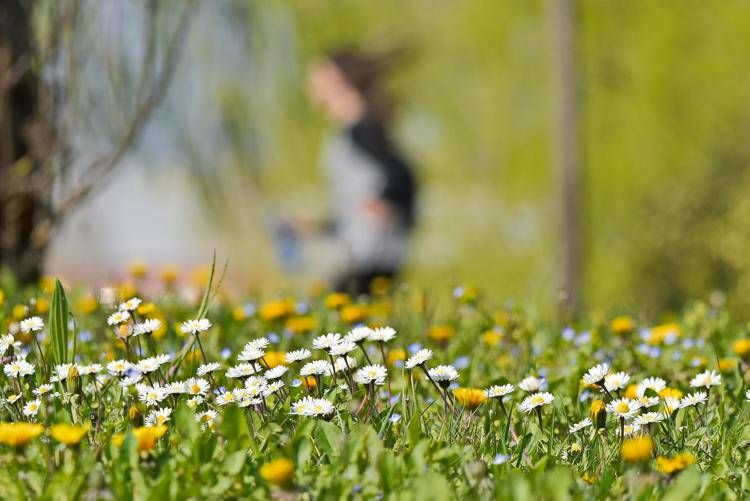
(599,145)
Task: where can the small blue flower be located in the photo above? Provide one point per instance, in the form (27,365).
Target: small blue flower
(85,336)
(395,399)
(501,459)
(301,307)
(395,418)
(296,383)
(249,309)
(414,347)
(273,337)
(226,353)
(462,362)
(568,334)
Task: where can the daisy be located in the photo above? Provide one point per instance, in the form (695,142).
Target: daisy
(254,386)
(151,395)
(196,386)
(225,398)
(12,399)
(371,374)
(596,374)
(175,387)
(273,388)
(207,418)
(195,326)
(648,418)
(130,380)
(327,341)
(647,402)
(33,324)
(7,341)
(147,365)
(148,326)
(499,391)
(706,379)
(243,370)
(358,334)
(62,371)
(130,304)
(342,348)
(158,417)
(419,358)
(656,384)
(42,389)
(631,429)
(443,374)
(208,368)
(251,354)
(671,405)
(623,408)
(382,334)
(616,381)
(19,368)
(276,372)
(118,367)
(535,400)
(580,425)
(344,366)
(310,406)
(32,407)
(316,368)
(257,344)
(85,370)
(531,384)
(118,317)
(698,397)
(747,395)
(297,355)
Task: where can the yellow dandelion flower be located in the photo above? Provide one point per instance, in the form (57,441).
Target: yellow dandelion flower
(670,392)
(20,311)
(118,439)
(278,472)
(380,286)
(728,364)
(441,333)
(741,347)
(47,284)
(169,275)
(670,466)
(589,478)
(138,269)
(598,413)
(637,450)
(354,313)
(396,355)
(471,398)
(276,310)
(301,325)
(336,300)
(87,304)
(126,290)
(147,436)
(492,337)
(68,434)
(274,358)
(631,391)
(238,313)
(664,333)
(2,297)
(622,325)
(42,305)
(18,434)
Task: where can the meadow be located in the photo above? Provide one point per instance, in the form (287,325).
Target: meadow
(410,394)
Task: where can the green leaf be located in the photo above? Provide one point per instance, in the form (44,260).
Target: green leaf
(686,485)
(328,438)
(58,324)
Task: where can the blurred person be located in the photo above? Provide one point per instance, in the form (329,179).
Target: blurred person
(373,188)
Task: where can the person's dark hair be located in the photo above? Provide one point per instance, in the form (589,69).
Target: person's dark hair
(366,73)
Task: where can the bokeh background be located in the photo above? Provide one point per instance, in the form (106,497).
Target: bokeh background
(663,105)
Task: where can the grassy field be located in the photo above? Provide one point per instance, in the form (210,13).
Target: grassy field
(114,395)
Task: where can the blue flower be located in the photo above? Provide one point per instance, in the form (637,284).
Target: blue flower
(395,418)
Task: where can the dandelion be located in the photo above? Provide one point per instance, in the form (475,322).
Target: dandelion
(706,380)
(674,465)
(118,317)
(147,436)
(32,324)
(195,326)
(580,425)
(471,398)
(68,434)
(18,434)
(278,472)
(637,450)
(419,358)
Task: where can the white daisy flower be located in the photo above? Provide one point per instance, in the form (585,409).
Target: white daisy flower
(656,384)
(151,395)
(499,391)
(623,408)
(531,384)
(585,423)
(85,370)
(371,374)
(647,402)
(147,326)
(147,365)
(616,381)
(130,304)
(382,334)
(310,406)
(275,372)
(273,387)
(243,370)
(118,367)
(631,429)
(260,343)
(316,368)
(32,407)
(327,341)
(195,326)
(648,418)
(206,418)
(225,398)
(358,334)
(158,417)
(251,354)
(341,366)
(18,368)
(706,379)
(130,380)
(297,355)
(671,405)
(196,386)
(596,374)
(535,400)
(43,389)
(443,373)
(342,348)
(13,398)
(698,397)
(419,358)
(176,387)
(118,317)
(33,324)
(208,368)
